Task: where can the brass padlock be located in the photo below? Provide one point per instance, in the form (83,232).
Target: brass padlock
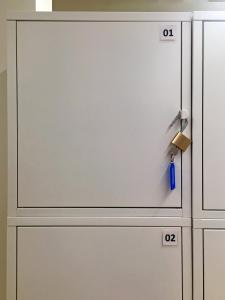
(181,141)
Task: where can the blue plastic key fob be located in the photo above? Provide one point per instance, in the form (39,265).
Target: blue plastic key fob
(172,176)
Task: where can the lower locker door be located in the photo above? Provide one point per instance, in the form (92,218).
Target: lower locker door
(96,263)
(214,264)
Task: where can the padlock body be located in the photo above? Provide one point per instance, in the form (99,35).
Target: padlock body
(181,141)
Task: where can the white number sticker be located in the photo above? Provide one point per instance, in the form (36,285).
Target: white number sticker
(170,238)
(168,33)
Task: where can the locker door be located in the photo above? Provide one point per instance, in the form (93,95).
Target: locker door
(213,116)
(95,101)
(97,263)
(214,264)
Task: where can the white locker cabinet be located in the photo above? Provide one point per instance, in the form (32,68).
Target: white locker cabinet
(91,97)
(209,259)
(208,115)
(89,118)
(55,262)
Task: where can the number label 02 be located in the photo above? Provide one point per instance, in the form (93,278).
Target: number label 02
(170,238)
(168,32)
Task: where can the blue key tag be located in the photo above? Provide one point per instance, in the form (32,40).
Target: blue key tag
(172,170)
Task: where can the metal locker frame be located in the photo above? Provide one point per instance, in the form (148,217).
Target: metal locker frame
(203,219)
(129,217)
(19,217)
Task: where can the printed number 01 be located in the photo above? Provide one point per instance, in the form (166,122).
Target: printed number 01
(168,32)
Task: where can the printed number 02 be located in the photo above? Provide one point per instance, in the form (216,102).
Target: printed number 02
(170,238)
(168,32)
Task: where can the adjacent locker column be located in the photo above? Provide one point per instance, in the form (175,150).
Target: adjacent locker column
(208,155)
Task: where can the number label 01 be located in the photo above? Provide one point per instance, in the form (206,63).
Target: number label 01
(168,32)
(170,238)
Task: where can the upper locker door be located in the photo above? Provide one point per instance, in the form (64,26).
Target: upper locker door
(95,101)
(213,115)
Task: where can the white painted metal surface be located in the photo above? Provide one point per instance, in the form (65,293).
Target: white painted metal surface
(214,116)
(209,261)
(208,16)
(94,108)
(204,223)
(97,263)
(99,221)
(198,290)
(208,117)
(208,157)
(214,264)
(144,234)
(197,119)
(12,117)
(101,16)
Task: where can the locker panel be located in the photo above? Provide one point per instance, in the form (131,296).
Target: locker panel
(97,263)
(214,264)
(213,115)
(95,100)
